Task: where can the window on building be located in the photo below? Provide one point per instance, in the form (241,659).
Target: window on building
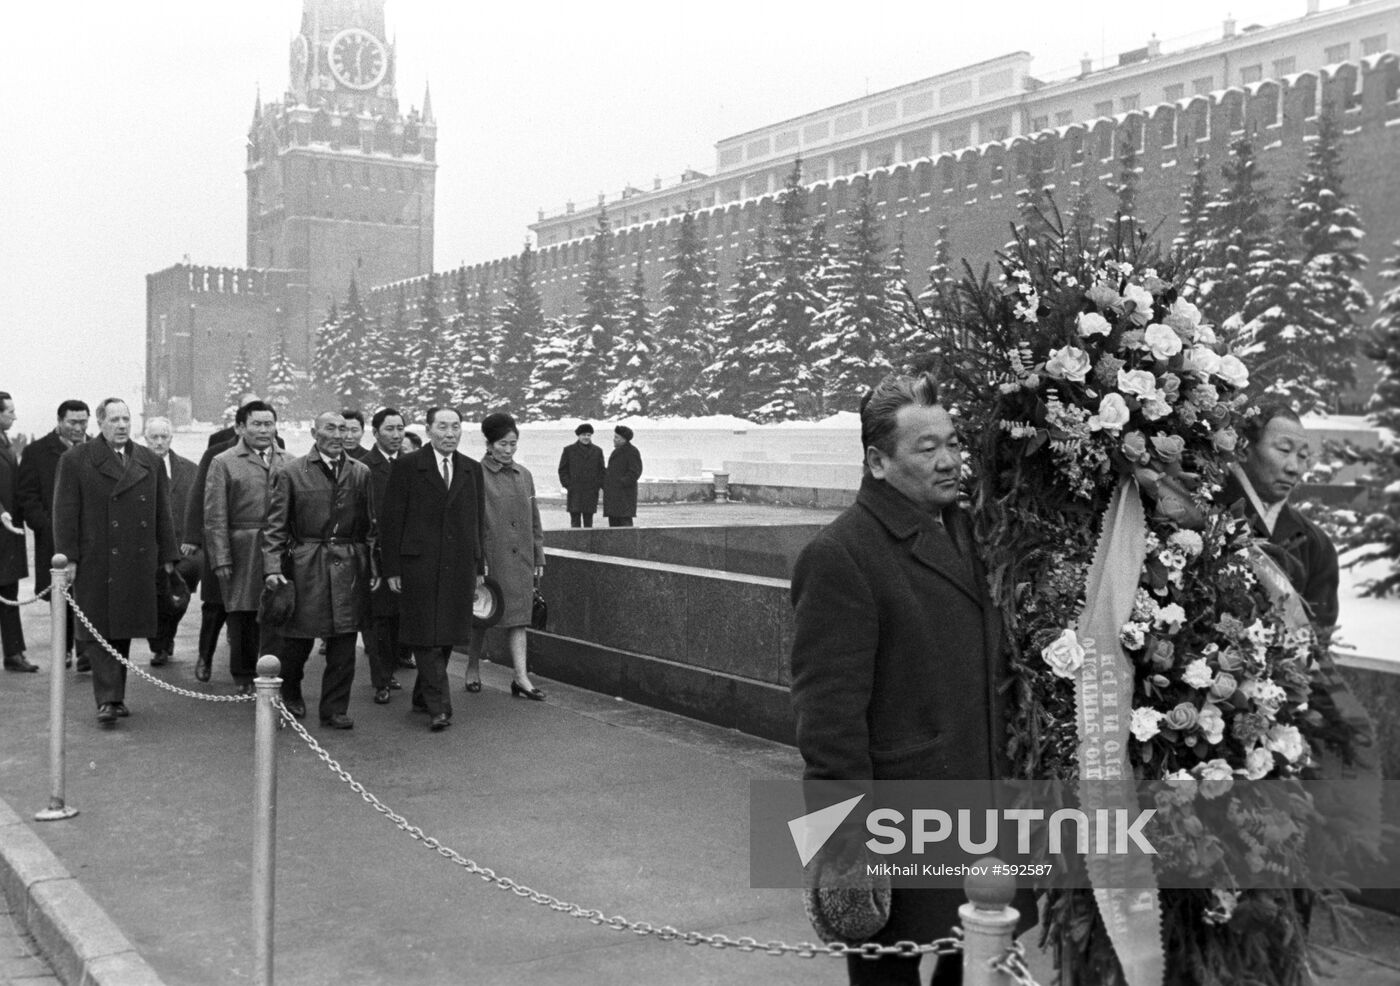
(1336,53)
(1039,123)
(1285,66)
(1131,102)
(1373,45)
(1064,118)
(1251,73)
(1173,92)
(1203,85)
(998,133)
(1104,108)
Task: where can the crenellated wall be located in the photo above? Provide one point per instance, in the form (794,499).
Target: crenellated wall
(973,191)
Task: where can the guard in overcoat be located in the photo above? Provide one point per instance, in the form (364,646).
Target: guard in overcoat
(620,479)
(432,537)
(320,535)
(112,519)
(581,471)
(237,495)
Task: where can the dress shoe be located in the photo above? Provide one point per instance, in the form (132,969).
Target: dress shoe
(107,714)
(518,690)
(121,710)
(160,659)
(201,669)
(440,722)
(381,696)
(297,709)
(474,686)
(408,662)
(19,663)
(394,685)
(246,688)
(83,665)
(338,721)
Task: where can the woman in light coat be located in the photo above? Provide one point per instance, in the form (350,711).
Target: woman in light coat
(514,548)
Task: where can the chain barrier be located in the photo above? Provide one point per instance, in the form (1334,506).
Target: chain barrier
(1013,963)
(39,597)
(142,672)
(869,950)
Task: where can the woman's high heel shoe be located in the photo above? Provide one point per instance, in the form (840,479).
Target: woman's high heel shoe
(519,691)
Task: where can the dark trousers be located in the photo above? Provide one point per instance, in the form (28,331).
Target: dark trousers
(11,630)
(578,519)
(247,641)
(169,624)
(108,674)
(212,617)
(382,649)
(430,689)
(892,970)
(335,682)
(619,521)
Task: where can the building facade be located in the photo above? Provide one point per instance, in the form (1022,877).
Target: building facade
(340,184)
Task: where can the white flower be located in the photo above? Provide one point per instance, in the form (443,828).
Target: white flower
(1162,340)
(1093,324)
(1233,372)
(1216,777)
(1188,542)
(1144,606)
(1146,723)
(1139,383)
(1142,301)
(1064,654)
(1182,308)
(1257,764)
(1170,617)
(1287,741)
(1155,408)
(1112,415)
(1198,674)
(1211,723)
(1133,635)
(1205,335)
(1266,695)
(1201,359)
(1068,363)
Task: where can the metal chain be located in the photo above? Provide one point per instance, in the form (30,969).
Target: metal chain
(1013,963)
(807,950)
(27,602)
(202,696)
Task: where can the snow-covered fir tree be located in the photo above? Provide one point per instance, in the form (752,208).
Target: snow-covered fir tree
(787,307)
(434,352)
(1383,345)
(240,379)
(474,352)
(1194,227)
(899,299)
(685,325)
(854,330)
(728,385)
(329,341)
(549,398)
(519,322)
(1035,205)
(389,358)
(1125,186)
(597,322)
(1238,237)
(632,393)
(282,382)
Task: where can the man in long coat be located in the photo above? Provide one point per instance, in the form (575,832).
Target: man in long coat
(432,537)
(38,473)
(895,661)
(236,499)
(111,518)
(181,474)
(620,479)
(13,563)
(382,639)
(581,473)
(320,535)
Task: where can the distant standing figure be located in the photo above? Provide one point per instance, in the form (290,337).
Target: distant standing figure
(111,518)
(382,639)
(181,473)
(13,563)
(620,481)
(514,549)
(581,472)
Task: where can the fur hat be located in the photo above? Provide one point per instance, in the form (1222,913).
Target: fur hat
(584,429)
(624,431)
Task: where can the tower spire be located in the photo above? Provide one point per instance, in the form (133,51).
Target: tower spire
(257,106)
(427,103)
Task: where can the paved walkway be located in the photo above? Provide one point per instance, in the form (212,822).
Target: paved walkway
(20,962)
(599,802)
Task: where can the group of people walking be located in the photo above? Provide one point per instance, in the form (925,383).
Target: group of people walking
(389,542)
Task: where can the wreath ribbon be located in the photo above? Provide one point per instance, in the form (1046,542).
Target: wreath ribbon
(1125,887)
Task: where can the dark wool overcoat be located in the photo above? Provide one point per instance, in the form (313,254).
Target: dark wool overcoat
(38,472)
(581,472)
(320,535)
(183,473)
(433,539)
(193,529)
(896,665)
(382,602)
(620,481)
(13,564)
(116,524)
(237,495)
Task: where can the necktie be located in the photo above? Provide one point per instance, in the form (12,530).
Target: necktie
(263,456)
(121,458)
(446,473)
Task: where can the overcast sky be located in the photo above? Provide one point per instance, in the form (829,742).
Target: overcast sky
(125,125)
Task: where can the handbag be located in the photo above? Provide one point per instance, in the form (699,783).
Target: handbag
(172,593)
(277,604)
(539,611)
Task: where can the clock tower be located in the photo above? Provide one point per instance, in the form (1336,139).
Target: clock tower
(340,181)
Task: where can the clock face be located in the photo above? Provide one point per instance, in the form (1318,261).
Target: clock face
(357,58)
